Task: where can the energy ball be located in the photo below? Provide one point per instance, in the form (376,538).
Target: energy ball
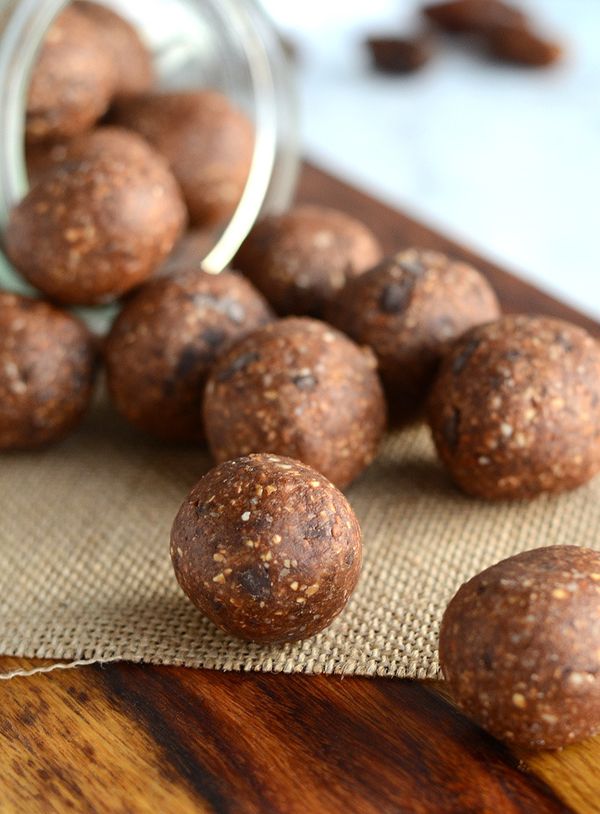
(130,57)
(165,340)
(409,309)
(302,259)
(300,388)
(91,230)
(208,143)
(116,142)
(72,82)
(267,548)
(520,647)
(47,365)
(515,410)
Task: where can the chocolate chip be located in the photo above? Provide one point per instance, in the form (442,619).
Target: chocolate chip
(396,55)
(188,361)
(256,582)
(451,428)
(461,361)
(305,381)
(238,364)
(395,297)
(213,337)
(564,342)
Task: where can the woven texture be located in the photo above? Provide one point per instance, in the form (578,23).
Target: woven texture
(85,571)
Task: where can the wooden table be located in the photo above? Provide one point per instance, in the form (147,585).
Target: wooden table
(132,738)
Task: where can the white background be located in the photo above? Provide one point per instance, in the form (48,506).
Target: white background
(505,159)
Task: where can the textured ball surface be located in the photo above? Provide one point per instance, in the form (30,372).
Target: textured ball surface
(267,548)
(164,342)
(302,259)
(515,409)
(520,647)
(409,309)
(47,365)
(300,388)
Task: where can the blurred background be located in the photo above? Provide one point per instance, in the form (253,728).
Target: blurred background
(504,158)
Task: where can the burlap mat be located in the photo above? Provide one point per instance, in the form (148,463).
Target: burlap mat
(85,571)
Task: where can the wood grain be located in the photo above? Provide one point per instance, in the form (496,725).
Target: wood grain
(131,738)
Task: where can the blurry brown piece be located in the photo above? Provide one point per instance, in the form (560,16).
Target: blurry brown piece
(474,16)
(397,55)
(72,82)
(129,55)
(206,140)
(522,47)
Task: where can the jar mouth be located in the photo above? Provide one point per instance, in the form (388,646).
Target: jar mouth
(268,88)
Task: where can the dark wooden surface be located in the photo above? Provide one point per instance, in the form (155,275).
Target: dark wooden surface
(131,738)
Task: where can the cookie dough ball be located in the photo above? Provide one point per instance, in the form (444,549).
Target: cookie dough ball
(300,388)
(116,142)
(301,260)
(515,410)
(267,548)
(409,309)
(130,57)
(47,363)
(72,81)
(164,342)
(520,647)
(91,230)
(207,142)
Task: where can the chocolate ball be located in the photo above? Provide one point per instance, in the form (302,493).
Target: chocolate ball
(130,57)
(91,230)
(520,647)
(267,548)
(302,259)
(515,410)
(300,388)
(116,142)
(208,143)
(165,340)
(409,309)
(72,81)
(47,364)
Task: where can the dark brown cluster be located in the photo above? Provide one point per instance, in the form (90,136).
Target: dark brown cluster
(267,548)
(409,309)
(520,647)
(498,29)
(300,388)
(164,342)
(515,410)
(302,259)
(207,142)
(47,364)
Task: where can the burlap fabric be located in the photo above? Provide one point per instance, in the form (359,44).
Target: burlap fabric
(85,571)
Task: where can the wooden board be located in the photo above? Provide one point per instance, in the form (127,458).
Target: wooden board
(132,738)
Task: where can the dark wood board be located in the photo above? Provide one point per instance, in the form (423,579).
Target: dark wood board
(140,738)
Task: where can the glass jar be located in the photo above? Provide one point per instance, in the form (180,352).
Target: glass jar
(227,45)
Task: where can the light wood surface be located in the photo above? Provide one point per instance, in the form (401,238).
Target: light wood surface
(133,738)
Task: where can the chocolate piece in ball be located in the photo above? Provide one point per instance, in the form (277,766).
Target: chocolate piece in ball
(515,410)
(164,342)
(72,81)
(302,259)
(520,647)
(409,309)
(91,230)
(47,363)
(267,548)
(130,57)
(300,388)
(207,142)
